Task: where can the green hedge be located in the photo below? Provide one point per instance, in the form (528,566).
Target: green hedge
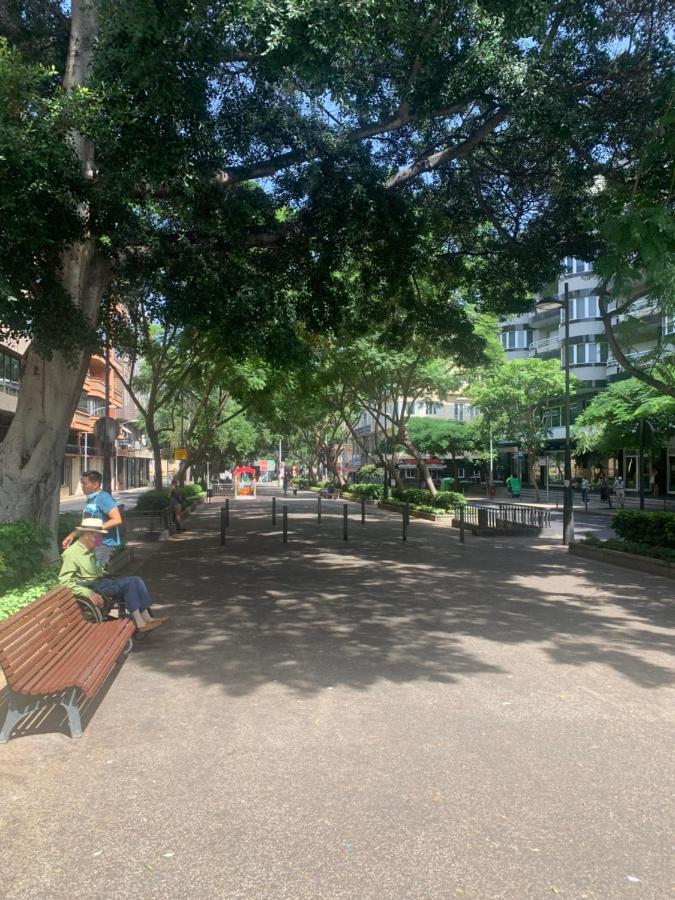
(657,529)
(22,548)
(637,547)
(419,497)
(367,491)
(67,523)
(14,600)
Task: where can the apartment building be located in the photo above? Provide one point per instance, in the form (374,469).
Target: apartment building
(454,407)
(131,460)
(541,333)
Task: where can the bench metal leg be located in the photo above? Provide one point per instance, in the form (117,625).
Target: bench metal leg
(73,710)
(16,710)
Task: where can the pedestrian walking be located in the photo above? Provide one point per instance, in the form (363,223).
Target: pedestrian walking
(584,490)
(619,491)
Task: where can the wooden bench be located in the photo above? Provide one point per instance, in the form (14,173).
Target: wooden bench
(51,655)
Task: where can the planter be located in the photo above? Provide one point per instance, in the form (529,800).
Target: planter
(414,514)
(626,560)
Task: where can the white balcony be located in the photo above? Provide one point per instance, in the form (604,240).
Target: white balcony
(545,345)
(613,366)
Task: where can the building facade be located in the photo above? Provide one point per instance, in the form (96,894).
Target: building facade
(131,460)
(541,333)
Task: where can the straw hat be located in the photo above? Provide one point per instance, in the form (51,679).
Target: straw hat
(91,525)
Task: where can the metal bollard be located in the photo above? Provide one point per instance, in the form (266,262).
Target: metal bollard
(318,510)
(223,526)
(363,510)
(274,511)
(406,518)
(345,513)
(227,512)
(461,524)
(284,510)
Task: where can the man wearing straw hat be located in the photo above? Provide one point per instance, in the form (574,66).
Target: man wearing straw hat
(82,574)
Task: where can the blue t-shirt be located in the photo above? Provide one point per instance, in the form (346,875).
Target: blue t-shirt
(98,506)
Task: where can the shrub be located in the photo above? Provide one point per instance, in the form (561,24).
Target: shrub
(67,523)
(449,500)
(192,493)
(420,497)
(14,600)
(22,547)
(153,500)
(637,547)
(367,491)
(654,528)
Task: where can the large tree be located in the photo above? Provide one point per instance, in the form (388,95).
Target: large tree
(516,398)
(238,155)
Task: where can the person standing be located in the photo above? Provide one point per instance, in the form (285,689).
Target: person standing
(100,505)
(584,490)
(619,491)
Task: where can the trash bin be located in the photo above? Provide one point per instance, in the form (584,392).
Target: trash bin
(446,484)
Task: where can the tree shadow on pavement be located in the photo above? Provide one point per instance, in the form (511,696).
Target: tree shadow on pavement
(319,611)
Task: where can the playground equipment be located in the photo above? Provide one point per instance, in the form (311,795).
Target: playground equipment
(245,484)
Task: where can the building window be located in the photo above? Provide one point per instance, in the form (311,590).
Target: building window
(586,354)
(553,417)
(516,340)
(431,409)
(582,308)
(10,373)
(573,266)
(668,323)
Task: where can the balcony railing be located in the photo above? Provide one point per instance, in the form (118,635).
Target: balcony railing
(545,345)
(636,355)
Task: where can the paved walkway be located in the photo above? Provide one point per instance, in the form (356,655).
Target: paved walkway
(369,719)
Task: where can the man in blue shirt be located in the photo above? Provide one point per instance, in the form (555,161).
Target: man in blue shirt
(100,505)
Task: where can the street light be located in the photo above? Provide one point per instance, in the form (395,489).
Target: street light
(568,495)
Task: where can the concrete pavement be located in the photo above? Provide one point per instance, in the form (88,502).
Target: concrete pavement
(368,719)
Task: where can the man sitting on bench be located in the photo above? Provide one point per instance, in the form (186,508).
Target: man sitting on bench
(82,574)
(328,491)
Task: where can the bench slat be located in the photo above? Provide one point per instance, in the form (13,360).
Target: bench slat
(41,643)
(71,665)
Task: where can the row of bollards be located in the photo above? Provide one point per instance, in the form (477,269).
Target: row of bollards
(405,520)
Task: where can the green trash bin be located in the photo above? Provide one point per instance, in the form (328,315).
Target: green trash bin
(446,484)
(513,485)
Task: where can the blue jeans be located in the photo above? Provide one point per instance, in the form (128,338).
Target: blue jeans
(130,588)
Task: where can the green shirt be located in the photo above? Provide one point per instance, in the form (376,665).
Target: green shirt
(79,565)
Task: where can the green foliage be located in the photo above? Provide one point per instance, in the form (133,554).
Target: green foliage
(419,497)
(630,546)
(68,521)
(22,548)
(191,493)
(612,419)
(154,500)
(442,437)
(654,528)
(40,582)
(367,491)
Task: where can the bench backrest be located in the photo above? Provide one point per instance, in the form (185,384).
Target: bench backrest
(30,637)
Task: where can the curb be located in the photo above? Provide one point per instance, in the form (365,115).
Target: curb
(625,560)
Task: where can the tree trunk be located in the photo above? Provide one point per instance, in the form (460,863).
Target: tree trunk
(532,458)
(153,438)
(32,453)
(422,466)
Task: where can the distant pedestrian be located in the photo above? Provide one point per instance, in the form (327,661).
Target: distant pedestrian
(584,490)
(654,484)
(604,490)
(285,482)
(619,491)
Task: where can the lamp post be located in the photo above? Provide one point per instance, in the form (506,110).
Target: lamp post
(568,495)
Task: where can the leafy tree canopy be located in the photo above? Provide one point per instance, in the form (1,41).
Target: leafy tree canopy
(245,153)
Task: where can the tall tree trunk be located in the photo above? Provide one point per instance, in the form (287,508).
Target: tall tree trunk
(32,454)
(153,438)
(422,466)
(532,458)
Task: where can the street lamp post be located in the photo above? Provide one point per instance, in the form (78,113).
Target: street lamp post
(568,495)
